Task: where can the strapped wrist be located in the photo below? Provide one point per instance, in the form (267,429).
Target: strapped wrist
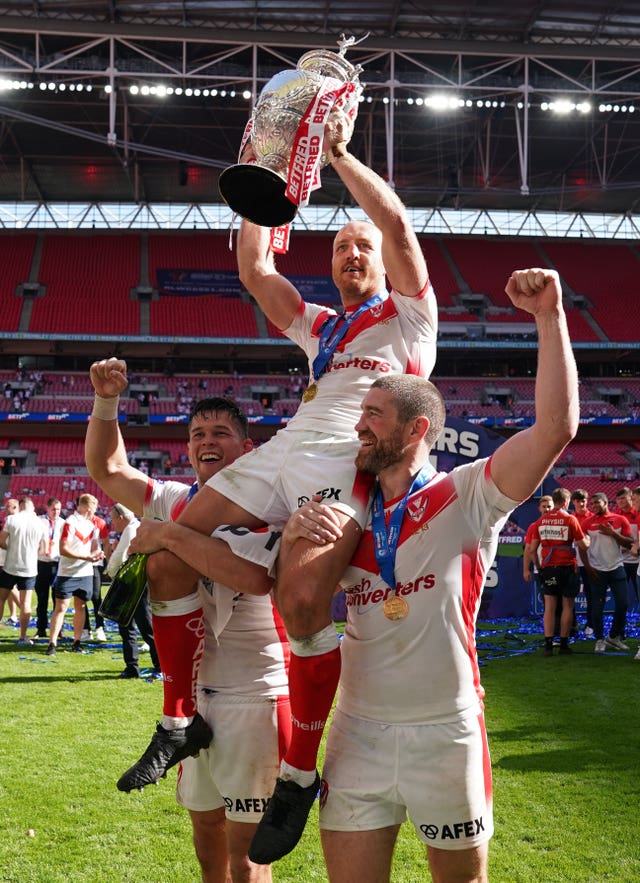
(105,408)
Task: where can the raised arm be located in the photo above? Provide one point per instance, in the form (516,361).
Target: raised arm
(521,463)
(401,253)
(278,299)
(104,449)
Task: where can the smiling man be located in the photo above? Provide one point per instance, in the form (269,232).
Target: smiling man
(241,691)
(408,737)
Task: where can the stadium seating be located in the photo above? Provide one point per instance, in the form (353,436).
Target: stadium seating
(16,255)
(88,282)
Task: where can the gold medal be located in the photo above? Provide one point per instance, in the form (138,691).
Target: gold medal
(310,392)
(395,608)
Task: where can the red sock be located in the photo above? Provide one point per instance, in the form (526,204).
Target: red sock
(313,681)
(180,644)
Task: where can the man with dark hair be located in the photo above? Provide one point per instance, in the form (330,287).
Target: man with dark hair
(580,502)
(609,534)
(626,507)
(557,534)
(408,734)
(241,688)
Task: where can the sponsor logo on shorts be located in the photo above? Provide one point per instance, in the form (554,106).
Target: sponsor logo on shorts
(246,804)
(361,594)
(327,493)
(456,831)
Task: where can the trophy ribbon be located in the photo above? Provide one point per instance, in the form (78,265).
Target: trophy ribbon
(304,164)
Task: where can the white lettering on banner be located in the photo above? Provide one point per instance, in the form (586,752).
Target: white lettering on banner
(465,443)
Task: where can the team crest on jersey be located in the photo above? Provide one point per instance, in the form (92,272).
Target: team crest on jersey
(377,310)
(417,508)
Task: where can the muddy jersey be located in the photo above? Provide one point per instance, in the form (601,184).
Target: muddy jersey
(423,668)
(246,651)
(556,531)
(398,336)
(605,553)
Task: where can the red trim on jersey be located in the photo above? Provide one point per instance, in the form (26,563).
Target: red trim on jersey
(420,295)
(76,533)
(148,492)
(283,709)
(486,761)
(617,522)
(371,317)
(283,718)
(101,524)
(473,577)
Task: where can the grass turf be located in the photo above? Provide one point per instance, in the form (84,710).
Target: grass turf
(563,734)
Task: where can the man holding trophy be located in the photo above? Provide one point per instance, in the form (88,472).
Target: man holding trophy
(376,333)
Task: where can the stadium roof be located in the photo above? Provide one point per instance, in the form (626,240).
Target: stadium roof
(515,139)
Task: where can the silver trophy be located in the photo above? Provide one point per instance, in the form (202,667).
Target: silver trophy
(285,131)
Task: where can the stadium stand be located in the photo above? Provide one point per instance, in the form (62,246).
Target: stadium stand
(606,274)
(16,255)
(88,282)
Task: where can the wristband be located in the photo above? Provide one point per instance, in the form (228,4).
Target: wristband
(338,151)
(105,409)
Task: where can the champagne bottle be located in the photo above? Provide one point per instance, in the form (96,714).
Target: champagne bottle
(126,589)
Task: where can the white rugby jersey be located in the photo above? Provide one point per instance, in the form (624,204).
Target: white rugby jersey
(25,531)
(423,668)
(79,532)
(246,649)
(398,336)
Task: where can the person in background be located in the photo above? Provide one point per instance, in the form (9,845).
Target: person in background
(408,735)
(11,506)
(79,549)
(625,506)
(48,565)
(580,503)
(531,562)
(23,537)
(557,534)
(125,523)
(241,692)
(102,535)
(609,534)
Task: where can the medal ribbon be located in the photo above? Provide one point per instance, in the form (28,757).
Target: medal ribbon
(330,337)
(386,544)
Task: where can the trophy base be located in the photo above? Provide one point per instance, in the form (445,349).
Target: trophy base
(257,194)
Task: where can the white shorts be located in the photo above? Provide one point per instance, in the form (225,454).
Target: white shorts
(273,480)
(439,774)
(239,769)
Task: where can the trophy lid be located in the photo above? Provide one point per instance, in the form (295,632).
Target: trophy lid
(329,64)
